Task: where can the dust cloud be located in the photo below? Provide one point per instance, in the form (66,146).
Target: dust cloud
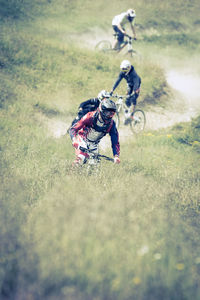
(185,85)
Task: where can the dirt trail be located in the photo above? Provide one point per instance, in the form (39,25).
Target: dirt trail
(186,94)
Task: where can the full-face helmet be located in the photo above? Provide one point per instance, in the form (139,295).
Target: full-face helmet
(103,94)
(125,66)
(107,109)
(131,13)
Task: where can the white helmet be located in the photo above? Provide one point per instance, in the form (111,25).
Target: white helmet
(103,94)
(125,66)
(131,13)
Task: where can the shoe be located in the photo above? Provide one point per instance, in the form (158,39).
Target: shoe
(127,121)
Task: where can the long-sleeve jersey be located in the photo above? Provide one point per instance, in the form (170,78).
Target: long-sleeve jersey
(93,130)
(132,78)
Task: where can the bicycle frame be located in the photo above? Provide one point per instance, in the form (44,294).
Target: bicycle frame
(128,42)
(121,106)
(106,47)
(136,119)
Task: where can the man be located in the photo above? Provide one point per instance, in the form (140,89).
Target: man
(133,84)
(118,24)
(90,105)
(90,129)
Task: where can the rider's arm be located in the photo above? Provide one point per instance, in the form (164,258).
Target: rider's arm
(121,29)
(137,83)
(85,121)
(114,140)
(117,82)
(133,30)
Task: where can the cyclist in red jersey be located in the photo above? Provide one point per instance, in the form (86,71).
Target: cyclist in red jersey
(90,129)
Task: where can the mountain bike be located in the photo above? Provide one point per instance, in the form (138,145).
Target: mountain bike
(136,120)
(93,160)
(106,47)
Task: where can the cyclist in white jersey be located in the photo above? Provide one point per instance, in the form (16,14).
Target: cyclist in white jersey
(118,24)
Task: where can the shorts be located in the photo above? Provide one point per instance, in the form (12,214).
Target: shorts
(81,156)
(131,100)
(120,35)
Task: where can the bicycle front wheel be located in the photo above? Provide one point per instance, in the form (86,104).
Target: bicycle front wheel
(139,120)
(103,46)
(134,54)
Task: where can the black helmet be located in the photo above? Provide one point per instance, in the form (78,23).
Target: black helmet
(107,109)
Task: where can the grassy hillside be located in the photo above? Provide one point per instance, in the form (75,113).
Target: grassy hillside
(132,231)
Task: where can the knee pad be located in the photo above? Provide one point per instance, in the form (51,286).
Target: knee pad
(81,158)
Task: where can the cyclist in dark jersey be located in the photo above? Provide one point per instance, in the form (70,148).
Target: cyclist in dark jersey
(92,127)
(90,105)
(133,83)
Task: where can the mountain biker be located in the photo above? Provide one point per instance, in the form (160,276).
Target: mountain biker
(90,105)
(133,84)
(118,24)
(91,128)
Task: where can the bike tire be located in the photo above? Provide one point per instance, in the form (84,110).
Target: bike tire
(103,46)
(138,125)
(116,118)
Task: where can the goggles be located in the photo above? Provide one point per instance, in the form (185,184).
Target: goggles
(108,113)
(125,70)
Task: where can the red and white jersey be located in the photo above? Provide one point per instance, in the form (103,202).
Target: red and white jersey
(93,130)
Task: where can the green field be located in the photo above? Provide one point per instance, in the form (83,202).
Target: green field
(132,231)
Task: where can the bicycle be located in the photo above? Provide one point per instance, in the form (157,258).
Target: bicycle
(106,47)
(93,160)
(136,119)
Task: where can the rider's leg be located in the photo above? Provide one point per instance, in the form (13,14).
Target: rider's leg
(120,38)
(134,102)
(80,158)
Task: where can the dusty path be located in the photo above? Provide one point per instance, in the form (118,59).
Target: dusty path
(186,94)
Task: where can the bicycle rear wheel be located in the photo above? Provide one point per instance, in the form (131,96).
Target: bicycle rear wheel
(139,121)
(103,46)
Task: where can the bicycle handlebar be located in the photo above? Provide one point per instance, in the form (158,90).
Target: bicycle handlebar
(119,96)
(95,155)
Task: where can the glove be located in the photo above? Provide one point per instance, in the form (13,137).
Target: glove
(75,143)
(135,38)
(116,160)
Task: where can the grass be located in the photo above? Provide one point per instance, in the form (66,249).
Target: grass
(132,231)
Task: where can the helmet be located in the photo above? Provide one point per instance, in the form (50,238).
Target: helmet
(125,66)
(131,13)
(103,94)
(107,109)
